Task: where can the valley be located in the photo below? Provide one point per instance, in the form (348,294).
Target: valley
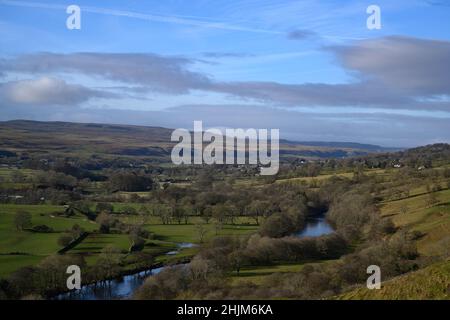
(142,228)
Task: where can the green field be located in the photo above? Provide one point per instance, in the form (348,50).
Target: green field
(23,248)
(33,247)
(189,233)
(10,263)
(12,240)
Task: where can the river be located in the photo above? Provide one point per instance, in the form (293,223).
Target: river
(124,287)
(315,227)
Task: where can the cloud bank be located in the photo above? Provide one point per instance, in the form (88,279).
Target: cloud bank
(391,72)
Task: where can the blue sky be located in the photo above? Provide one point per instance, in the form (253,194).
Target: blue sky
(234,64)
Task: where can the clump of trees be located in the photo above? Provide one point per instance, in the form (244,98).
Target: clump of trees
(131,182)
(56,180)
(48,277)
(281,224)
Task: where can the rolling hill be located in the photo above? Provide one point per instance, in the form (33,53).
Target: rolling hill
(21,137)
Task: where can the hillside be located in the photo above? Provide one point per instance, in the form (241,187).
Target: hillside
(432,282)
(106,193)
(84,140)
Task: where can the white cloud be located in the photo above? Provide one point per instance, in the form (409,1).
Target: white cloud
(45,91)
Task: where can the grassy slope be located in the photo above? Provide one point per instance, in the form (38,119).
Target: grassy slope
(432,282)
(433,222)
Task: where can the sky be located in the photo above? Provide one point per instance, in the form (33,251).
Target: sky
(312,69)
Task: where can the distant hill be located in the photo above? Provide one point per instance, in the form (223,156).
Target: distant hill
(87,139)
(332,144)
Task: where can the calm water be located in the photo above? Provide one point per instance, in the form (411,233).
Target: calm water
(119,288)
(111,290)
(124,288)
(315,227)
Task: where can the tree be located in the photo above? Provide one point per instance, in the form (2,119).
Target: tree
(163,212)
(218,225)
(201,232)
(237,259)
(256,210)
(109,262)
(22,220)
(231,211)
(104,220)
(279,224)
(137,242)
(219,213)
(207,214)
(178,213)
(64,240)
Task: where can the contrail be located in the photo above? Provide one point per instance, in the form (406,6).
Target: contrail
(164,19)
(143,16)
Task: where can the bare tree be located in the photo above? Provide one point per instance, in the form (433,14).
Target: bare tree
(201,232)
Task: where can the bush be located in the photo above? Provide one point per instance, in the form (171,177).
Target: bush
(42,229)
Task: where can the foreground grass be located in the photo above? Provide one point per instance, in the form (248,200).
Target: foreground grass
(432,282)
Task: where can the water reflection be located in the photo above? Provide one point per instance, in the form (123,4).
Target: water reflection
(315,227)
(122,288)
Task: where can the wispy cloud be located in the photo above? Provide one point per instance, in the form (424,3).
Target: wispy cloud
(145,16)
(199,22)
